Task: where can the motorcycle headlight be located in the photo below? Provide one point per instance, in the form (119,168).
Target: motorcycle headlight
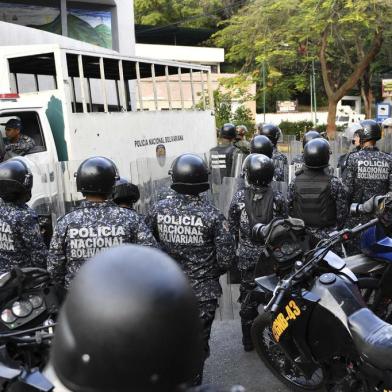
(22,308)
(7,316)
(36,301)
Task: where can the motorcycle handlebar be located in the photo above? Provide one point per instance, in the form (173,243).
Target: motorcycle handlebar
(363,227)
(275,301)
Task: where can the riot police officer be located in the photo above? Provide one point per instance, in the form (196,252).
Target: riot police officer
(195,234)
(21,243)
(351,134)
(298,160)
(257,203)
(240,141)
(273,133)
(222,154)
(368,172)
(98,223)
(150,322)
(260,144)
(130,322)
(315,196)
(125,194)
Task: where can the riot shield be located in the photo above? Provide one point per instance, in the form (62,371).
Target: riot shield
(283,175)
(215,180)
(229,187)
(153,180)
(238,160)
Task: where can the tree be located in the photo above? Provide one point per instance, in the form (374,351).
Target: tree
(186,13)
(343,36)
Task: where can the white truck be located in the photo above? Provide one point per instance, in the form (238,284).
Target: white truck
(79,104)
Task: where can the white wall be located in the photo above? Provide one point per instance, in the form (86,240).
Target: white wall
(277,118)
(181,53)
(12,34)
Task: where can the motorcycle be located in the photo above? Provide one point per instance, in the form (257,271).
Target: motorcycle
(29,304)
(316,332)
(374,265)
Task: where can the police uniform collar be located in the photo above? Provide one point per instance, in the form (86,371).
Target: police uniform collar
(189,197)
(12,204)
(370,148)
(95,204)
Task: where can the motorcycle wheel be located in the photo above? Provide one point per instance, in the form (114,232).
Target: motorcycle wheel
(276,360)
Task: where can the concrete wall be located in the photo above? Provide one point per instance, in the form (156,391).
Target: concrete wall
(189,54)
(12,34)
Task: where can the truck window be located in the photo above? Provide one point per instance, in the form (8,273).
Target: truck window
(33,73)
(31,126)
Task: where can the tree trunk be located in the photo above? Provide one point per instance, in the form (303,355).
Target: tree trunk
(336,93)
(331,119)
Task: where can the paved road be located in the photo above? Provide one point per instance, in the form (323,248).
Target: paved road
(229,364)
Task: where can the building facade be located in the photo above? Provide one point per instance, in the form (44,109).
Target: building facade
(105,23)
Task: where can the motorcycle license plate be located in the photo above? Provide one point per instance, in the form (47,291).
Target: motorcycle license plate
(282,321)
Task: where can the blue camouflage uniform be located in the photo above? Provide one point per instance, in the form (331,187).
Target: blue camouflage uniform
(280,163)
(21,243)
(22,146)
(195,234)
(368,173)
(89,229)
(297,162)
(249,252)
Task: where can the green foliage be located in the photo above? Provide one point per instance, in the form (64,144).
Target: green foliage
(295,128)
(222,103)
(286,35)
(187,13)
(243,116)
(300,127)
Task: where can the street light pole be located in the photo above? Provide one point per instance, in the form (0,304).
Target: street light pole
(264,92)
(311,96)
(315,93)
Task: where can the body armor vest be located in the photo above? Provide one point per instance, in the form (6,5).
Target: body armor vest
(313,202)
(259,206)
(222,159)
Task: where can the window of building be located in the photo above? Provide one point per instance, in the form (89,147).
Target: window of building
(40,14)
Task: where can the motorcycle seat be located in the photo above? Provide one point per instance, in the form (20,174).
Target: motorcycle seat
(372,337)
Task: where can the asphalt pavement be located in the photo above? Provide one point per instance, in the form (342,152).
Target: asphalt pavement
(230,365)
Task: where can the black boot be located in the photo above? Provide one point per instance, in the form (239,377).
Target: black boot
(246,337)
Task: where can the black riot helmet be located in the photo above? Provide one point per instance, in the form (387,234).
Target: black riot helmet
(310,135)
(316,153)
(125,192)
(16,181)
(260,144)
(130,322)
(189,174)
(96,175)
(228,131)
(370,131)
(258,169)
(272,131)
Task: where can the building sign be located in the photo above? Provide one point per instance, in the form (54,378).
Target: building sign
(286,106)
(383,111)
(386,88)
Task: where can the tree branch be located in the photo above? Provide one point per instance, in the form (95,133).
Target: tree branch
(324,65)
(361,67)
